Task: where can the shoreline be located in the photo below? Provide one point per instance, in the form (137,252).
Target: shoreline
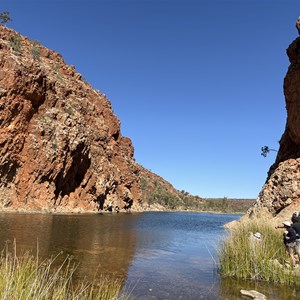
(92,212)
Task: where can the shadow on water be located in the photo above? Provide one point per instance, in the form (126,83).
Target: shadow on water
(158,255)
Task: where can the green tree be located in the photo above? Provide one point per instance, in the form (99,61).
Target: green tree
(4,17)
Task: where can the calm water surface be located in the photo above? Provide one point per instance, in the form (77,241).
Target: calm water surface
(159,255)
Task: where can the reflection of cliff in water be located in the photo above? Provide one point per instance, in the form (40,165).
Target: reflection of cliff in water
(98,243)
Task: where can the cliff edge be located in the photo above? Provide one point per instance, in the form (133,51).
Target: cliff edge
(280,195)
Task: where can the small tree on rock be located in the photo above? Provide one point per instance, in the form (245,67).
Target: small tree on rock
(265,150)
(4,17)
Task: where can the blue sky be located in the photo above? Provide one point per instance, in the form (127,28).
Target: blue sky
(197,85)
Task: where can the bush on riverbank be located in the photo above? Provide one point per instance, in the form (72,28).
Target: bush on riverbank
(266,259)
(27,277)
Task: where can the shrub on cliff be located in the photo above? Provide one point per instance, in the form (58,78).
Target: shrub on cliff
(15,43)
(35,50)
(4,17)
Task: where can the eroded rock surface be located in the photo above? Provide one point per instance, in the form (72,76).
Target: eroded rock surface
(61,145)
(280,196)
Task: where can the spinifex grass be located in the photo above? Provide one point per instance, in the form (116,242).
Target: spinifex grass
(26,277)
(264,260)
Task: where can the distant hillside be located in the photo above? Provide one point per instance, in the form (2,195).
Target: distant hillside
(158,194)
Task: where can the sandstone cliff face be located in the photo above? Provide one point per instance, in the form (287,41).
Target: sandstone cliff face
(61,146)
(280,196)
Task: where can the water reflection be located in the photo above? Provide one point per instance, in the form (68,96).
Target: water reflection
(159,255)
(96,242)
(175,256)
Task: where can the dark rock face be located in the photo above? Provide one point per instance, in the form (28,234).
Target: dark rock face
(280,195)
(61,145)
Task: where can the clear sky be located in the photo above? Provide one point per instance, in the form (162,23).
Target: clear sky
(197,85)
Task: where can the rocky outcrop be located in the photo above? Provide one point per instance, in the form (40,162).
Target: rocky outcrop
(61,145)
(280,196)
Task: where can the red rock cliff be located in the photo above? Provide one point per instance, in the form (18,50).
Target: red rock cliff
(61,146)
(280,196)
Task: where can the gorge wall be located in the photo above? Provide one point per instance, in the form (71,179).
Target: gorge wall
(280,195)
(61,145)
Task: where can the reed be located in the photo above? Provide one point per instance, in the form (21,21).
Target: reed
(26,277)
(264,260)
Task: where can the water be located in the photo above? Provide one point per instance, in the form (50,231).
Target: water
(159,255)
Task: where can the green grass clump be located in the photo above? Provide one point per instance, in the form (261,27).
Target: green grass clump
(35,50)
(26,277)
(266,260)
(15,42)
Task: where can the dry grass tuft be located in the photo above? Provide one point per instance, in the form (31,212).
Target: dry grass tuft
(26,277)
(265,260)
